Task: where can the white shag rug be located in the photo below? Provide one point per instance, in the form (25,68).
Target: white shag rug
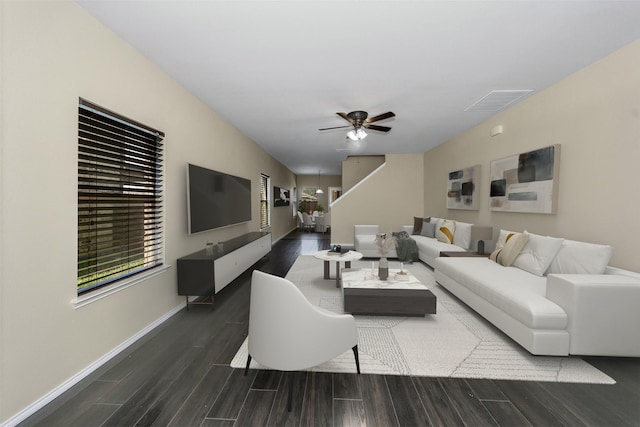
(455,342)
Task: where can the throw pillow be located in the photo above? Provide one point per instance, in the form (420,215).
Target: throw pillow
(428,230)
(537,254)
(446,231)
(503,233)
(417,225)
(436,221)
(508,248)
(462,236)
(580,258)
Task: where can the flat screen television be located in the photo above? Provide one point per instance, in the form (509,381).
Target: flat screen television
(216,199)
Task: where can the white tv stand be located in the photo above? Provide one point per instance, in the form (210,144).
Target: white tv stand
(205,275)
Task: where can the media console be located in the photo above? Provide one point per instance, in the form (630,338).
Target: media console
(200,274)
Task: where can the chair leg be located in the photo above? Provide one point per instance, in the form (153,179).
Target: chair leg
(246,369)
(355,354)
(290,398)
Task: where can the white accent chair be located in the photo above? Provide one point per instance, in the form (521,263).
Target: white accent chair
(365,241)
(288,333)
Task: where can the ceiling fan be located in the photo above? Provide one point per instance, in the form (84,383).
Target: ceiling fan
(358,121)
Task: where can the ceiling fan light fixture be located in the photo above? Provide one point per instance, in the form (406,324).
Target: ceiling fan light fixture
(356,134)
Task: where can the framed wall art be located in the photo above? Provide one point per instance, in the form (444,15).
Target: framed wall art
(281,196)
(462,188)
(526,182)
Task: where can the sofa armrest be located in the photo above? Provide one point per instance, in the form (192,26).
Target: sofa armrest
(603,312)
(365,229)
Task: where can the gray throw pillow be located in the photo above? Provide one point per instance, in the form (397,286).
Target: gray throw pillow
(428,230)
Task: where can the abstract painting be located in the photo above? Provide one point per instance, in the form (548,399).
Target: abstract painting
(462,188)
(281,196)
(526,182)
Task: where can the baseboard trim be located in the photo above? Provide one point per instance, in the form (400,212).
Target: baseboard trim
(65,386)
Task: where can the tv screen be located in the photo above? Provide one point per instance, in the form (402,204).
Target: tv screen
(216,199)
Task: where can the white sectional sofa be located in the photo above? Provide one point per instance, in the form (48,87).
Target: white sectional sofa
(575,305)
(429,248)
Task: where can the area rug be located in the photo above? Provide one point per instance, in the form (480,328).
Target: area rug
(455,342)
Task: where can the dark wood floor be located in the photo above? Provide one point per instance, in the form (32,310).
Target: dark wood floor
(179,375)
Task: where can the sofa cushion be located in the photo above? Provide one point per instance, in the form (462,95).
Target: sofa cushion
(446,231)
(366,241)
(508,248)
(430,248)
(580,258)
(537,254)
(512,290)
(428,230)
(462,235)
(417,224)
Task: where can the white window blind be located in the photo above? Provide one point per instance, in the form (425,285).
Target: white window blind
(120,230)
(265,220)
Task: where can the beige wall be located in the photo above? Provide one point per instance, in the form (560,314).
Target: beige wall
(52,53)
(389,197)
(355,168)
(595,115)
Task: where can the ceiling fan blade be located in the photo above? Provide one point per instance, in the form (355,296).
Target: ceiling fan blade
(377,118)
(347,118)
(378,128)
(337,127)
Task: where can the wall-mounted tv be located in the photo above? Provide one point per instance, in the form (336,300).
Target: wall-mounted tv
(216,199)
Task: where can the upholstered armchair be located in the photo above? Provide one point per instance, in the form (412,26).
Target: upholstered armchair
(288,333)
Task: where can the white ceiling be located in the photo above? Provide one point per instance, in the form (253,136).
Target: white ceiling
(279,70)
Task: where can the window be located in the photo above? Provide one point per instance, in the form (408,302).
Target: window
(120,231)
(308,200)
(265,218)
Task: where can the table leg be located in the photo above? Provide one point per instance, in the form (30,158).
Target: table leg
(326,270)
(337,274)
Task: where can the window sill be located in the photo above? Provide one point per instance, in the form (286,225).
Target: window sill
(83,300)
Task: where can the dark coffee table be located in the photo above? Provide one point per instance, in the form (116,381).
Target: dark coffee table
(364,294)
(462,254)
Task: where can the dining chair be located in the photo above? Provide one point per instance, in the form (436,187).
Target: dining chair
(309,224)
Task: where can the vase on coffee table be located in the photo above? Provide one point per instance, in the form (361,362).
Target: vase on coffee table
(383,268)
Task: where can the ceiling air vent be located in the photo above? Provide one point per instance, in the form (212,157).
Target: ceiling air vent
(496,100)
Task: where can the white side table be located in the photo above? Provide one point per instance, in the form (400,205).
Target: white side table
(328,257)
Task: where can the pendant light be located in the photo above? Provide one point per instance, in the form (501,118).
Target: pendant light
(319,190)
